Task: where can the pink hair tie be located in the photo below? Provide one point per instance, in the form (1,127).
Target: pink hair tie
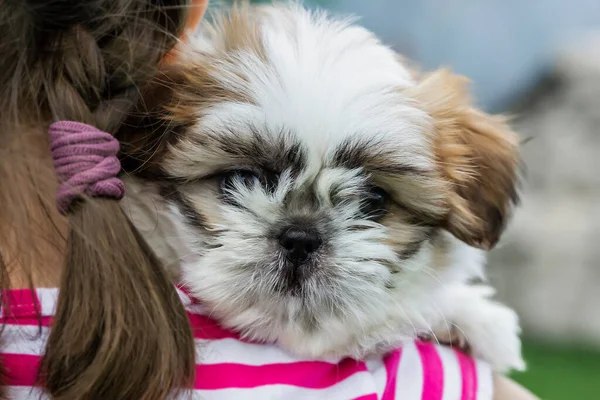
(85,160)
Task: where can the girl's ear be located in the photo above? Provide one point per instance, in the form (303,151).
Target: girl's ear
(196,12)
(478,156)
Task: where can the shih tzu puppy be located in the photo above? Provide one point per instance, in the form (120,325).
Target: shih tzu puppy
(315,192)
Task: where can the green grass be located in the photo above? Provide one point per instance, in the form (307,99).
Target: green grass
(561,373)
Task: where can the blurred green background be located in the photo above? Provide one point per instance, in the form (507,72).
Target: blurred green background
(538,60)
(561,372)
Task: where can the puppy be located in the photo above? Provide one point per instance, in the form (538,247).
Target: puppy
(315,192)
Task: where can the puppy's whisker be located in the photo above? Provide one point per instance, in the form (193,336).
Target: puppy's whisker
(397,303)
(432,273)
(443,318)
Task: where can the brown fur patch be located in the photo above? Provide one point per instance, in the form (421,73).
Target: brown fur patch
(413,187)
(204,198)
(373,157)
(477,155)
(238,29)
(168,106)
(175,100)
(405,235)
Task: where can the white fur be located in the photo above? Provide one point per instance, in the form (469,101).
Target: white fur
(309,86)
(326,81)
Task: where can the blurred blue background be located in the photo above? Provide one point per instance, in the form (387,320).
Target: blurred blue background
(502,45)
(538,60)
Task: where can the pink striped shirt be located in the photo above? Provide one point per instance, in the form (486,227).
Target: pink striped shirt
(231,368)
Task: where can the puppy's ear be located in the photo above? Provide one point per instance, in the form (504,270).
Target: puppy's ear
(477,155)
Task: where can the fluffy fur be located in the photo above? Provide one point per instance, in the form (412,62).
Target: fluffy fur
(317,111)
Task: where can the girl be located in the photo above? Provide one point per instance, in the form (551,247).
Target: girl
(69,71)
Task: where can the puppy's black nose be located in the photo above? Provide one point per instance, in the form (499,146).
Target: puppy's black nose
(299,243)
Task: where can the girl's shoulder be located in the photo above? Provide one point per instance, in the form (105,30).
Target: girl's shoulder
(230,367)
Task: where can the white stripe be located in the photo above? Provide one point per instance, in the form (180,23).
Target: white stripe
(354,386)
(185,299)
(234,351)
(47,298)
(485,383)
(377,368)
(452,378)
(24,339)
(197,309)
(24,393)
(409,381)
(357,385)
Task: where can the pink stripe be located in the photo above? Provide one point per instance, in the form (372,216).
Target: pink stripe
(21,369)
(367,397)
(206,328)
(22,302)
(469,376)
(310,374)
(24,321)
(391,361)
(433,371)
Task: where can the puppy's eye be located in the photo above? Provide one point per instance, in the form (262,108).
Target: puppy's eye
(375,205)
(232,180)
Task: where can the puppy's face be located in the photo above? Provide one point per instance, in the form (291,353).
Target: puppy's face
(314,181)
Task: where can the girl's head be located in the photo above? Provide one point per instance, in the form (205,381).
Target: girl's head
(120,330)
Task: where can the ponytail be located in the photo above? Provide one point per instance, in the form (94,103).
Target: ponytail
(115,294)
(120,330)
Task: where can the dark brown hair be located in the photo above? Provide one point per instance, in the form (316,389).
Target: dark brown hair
(120,330)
